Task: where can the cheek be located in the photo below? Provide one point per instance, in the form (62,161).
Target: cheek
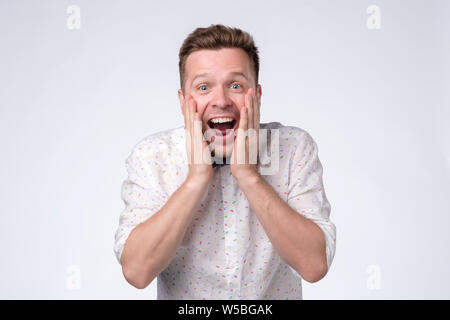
(241,106)
(201,112)
(200,107)
(240,102)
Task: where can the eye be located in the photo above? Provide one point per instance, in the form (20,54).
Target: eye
(236,84)
(203,86)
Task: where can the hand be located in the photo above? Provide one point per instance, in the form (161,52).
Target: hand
(244,157)
(198,153)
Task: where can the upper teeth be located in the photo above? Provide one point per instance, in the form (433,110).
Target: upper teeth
(221,120)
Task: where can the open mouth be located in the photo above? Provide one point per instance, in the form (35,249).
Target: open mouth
(221,125)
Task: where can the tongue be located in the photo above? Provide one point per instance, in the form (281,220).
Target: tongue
(222,127)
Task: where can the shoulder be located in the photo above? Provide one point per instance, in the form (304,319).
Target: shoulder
(291,137)
(159,144)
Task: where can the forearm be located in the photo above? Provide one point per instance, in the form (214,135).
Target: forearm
(152,244)
(298,240)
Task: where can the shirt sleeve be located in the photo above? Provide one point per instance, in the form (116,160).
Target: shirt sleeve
(306,192)
(141,193)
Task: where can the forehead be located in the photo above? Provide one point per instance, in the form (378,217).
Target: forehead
(217,61)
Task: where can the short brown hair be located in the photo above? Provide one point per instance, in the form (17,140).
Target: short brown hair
(216,37)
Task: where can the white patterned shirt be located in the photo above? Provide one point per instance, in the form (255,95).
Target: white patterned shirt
(225,253)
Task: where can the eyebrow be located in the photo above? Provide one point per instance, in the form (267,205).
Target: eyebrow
(206,74)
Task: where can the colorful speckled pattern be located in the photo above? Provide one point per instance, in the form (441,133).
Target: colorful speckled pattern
(225,253)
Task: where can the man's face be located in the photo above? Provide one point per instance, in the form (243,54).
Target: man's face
(218,81)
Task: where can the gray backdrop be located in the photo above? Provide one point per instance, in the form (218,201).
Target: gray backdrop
(370,84)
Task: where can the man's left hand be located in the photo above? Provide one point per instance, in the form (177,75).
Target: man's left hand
(244,156)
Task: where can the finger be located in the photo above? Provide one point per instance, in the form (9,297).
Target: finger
(203,147)
(255,143)
(233,153)
(257,114)
(241,137)
(192,126)
(191,113)
(188,128)
(255,107)
(184,103)
(196,121)
(186,113)
(200,112)
(197,137)
(249,105)
(196,116)
(244,119)
(191,119)
(243,116)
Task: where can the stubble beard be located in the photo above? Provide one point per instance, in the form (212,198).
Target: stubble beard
(221,153)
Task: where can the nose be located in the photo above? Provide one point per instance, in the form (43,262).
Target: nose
(221,98)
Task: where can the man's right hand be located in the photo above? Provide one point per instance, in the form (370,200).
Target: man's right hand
(152,244)
(198,153)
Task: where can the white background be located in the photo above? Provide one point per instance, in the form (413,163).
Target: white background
(73,103)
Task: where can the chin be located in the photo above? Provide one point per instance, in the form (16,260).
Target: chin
(222,152)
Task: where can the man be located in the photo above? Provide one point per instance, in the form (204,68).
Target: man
(200,215)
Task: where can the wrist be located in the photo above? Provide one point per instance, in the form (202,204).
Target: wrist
(248,178)
(197,181)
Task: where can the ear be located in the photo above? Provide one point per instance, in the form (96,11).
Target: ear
(181,99)
(259,93)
